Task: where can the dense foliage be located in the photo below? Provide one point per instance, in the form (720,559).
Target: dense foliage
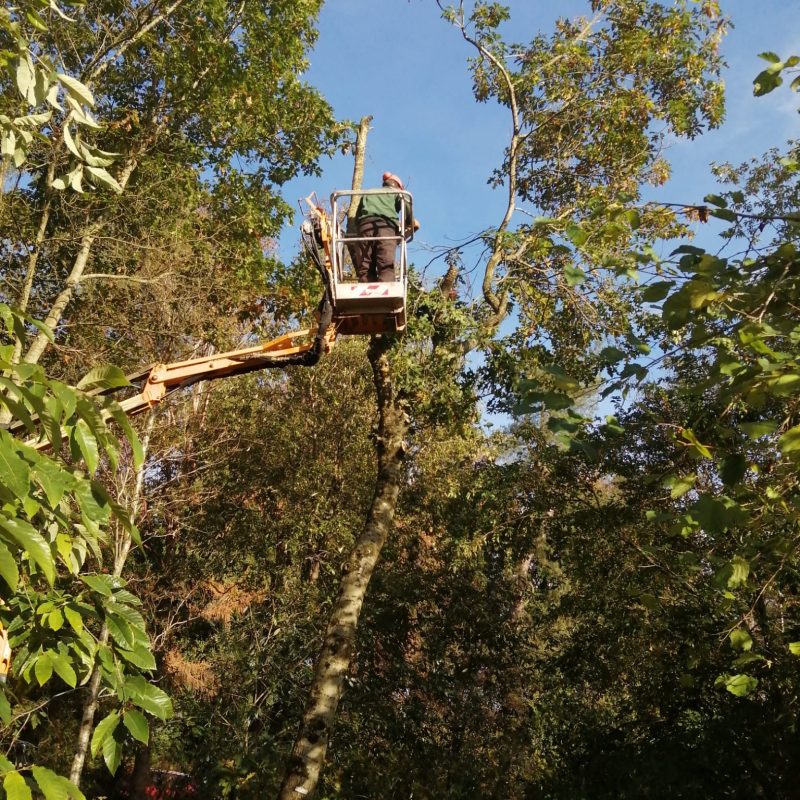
(571,607)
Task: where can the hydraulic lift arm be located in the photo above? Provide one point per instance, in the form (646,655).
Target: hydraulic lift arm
(163,379)
(158,381)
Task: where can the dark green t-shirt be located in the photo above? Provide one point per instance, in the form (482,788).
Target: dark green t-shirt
(382,205)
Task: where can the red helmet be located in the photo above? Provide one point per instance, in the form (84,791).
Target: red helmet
(390,176)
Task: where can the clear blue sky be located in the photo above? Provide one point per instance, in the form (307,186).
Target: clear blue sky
(399,61)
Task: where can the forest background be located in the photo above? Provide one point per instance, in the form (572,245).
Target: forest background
(335,581)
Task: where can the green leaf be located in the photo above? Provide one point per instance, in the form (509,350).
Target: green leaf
(55,620)
(741,639)
(576,234)
(70,142)
(794,648)
(112,753)
(148,697)
(716,514)
(74,618)
(30,540)
(634,218)
(120,630)
(14,470)
(103,730)
(35,20)
(765,82)
(697,447)
(140,656)
(67,397)
(679,486)
(75,178)
(80,92)
(611,355)
(649,601)
(534,401)
(789,443)
(103,176)
(15,787)
(675,310)
(748,658)
(121,418)
(654,292)
(636,370)
(55,787)
(87,445)
(741,685)
(43,668)
(93,501)
(740,570)
(137,725)
(733,469)
(5,716)
(688,249)
(64,669)
(45,329)
(105,376)
(574,275)
(716,200)
(81,115)
(25,76)
(9,571)
(724,213)
(53,479)
(130,615)
(102,584)
(54,6)
(769,56)
(560,378)
(755,430)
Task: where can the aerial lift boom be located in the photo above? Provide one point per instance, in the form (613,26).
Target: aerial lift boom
(347,308)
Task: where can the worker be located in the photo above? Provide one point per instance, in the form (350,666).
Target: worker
(378,223)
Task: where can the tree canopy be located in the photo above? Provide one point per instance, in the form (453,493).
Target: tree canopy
(339,581)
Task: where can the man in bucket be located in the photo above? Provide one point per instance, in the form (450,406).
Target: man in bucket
(378,223)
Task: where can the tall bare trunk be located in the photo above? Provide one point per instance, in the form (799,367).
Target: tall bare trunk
(308,754)
(358,165)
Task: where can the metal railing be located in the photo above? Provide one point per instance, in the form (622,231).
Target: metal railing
(342,238)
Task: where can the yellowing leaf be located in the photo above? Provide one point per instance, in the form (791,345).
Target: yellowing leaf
(15,787)
(789,443)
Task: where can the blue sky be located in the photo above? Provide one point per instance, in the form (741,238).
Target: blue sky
(399,61)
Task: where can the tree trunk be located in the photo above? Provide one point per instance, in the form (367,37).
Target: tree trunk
(140,776)
(358,166)
(308,754)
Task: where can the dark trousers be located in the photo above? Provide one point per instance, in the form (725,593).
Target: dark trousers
(374,258)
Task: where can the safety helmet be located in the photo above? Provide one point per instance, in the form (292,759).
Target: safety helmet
(390,176)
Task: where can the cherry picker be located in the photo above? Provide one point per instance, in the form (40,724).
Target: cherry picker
(348,308)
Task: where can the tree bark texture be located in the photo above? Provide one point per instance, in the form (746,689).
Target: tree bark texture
(333,663)
(358,165)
